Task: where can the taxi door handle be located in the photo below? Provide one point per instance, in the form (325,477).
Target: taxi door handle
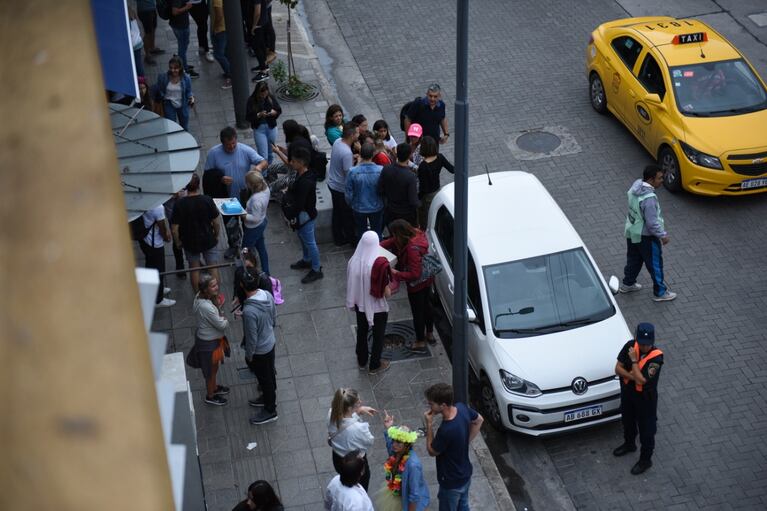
(450,287)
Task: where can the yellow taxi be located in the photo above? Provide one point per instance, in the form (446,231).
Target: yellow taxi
(689,96)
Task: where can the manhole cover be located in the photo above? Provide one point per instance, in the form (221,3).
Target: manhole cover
(538,142)
(398,338)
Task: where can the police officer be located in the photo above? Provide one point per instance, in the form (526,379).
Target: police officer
(639,365)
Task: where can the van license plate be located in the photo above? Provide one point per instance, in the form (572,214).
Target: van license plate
(583,413)
(753,183)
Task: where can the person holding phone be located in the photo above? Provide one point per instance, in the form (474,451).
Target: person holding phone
(262,112)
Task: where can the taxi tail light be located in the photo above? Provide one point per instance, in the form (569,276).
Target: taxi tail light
(591,38)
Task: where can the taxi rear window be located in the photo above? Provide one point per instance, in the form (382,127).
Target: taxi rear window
(717,89)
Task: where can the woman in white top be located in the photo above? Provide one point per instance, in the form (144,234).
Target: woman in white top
(255,218)
(347,432)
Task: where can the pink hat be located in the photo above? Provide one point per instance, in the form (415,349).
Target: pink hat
(415,130)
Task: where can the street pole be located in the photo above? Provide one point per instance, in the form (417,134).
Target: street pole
(460,324)
(238,62)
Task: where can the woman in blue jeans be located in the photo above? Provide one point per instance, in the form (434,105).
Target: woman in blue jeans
(262,112)
(174,89)
(303,192)
(255,217)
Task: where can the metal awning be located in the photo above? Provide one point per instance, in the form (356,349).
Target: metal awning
(156,157)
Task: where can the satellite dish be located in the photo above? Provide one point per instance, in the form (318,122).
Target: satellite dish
(156,157)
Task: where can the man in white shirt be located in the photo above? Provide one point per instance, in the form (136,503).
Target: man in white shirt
(153,247)
(344,492)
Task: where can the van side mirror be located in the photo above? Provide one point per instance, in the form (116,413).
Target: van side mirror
(471,317)
(614,284)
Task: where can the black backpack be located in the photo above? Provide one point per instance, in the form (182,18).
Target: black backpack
(163,9)
(404,110)
(290,209)
(319,164)
(138,230)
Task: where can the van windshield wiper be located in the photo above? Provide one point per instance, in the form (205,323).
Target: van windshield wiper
(564,324)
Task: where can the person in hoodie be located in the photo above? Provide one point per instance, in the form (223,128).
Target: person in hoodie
(409,244)
(258,320)
(645,232)
(362,193)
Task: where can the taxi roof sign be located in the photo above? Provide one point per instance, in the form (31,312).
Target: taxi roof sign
(695,37)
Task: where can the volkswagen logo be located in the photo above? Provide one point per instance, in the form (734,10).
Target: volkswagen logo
(579,386)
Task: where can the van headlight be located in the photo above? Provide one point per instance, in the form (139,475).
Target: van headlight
(517,385)
(699,158)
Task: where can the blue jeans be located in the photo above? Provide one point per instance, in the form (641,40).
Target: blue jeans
(219,51)
(182,36)
(265,137)
(456,499)
(309,245)
(362,220)
(255,238)
(180,115)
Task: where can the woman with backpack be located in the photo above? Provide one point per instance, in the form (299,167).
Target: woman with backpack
(410,246)
(174,90)
(262,112)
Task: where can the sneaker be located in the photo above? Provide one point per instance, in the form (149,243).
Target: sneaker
(630,289)
(271,57)
(166,290)
(263,417)
(415,348)
(312,276)
(209,57)
(382,368)
(300,265)
(363,367)
(624,449)
(641,466)
(222,390)
(430,339)
(193,74)
(227,84)
(157,51)
(166,302)
(665,297)
(259,70)
(216,400)
(260,77)
(257,403)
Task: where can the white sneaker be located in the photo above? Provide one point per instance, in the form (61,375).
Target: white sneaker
(665,297)
(209,57)
(166,290)
(629,289)
(166,302)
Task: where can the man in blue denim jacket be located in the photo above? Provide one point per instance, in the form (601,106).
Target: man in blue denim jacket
(362,193)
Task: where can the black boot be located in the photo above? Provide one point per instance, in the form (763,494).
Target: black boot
(624,448)
(641,466)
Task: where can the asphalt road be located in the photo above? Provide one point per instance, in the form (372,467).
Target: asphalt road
(527,72)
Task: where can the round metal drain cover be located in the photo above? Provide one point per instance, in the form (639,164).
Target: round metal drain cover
(398,337)
(538,142)
(309,92)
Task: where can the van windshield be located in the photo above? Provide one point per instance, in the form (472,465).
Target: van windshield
(545,294)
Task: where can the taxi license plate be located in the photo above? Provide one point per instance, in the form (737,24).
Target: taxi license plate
(583,413)
(753,183)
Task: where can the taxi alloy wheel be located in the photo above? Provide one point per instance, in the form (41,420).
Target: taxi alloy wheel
(490,410)
(672,176)
(597,94)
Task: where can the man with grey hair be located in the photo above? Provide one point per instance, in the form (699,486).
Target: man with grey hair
(429,112)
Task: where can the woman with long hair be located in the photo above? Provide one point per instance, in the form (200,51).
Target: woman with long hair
(381,128)
(367,297)
(405,487)
(410,245)
(347,432)
(174,90)
(255,223)
(210,343)
(334,123)
(261,497)
(262,112)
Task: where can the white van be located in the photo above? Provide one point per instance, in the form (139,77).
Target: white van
(544,328)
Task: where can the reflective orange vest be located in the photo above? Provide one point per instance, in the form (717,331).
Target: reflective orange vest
(642,361)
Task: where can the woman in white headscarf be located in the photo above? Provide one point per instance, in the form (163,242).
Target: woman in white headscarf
(367,287)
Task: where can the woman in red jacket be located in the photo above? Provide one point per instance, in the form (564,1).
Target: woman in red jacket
(409,244)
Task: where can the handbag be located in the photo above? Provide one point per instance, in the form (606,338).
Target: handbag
(430,266)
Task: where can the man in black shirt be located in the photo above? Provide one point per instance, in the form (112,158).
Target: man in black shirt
(179,22)
(639,364)
(429,112)
(303,193)
(398,186)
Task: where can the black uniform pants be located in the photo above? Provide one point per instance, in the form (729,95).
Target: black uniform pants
(379,329)
(263,367)
(649,252)
(423,321)
(155,258)
(199,12)
(342,220)
(639,413)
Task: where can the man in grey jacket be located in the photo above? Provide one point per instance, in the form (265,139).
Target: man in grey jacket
(645,232)
(258,318)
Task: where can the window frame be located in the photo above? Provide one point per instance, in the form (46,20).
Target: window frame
(642,67)
(613,45)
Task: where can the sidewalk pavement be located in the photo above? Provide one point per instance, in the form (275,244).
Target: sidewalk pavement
(315,340)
